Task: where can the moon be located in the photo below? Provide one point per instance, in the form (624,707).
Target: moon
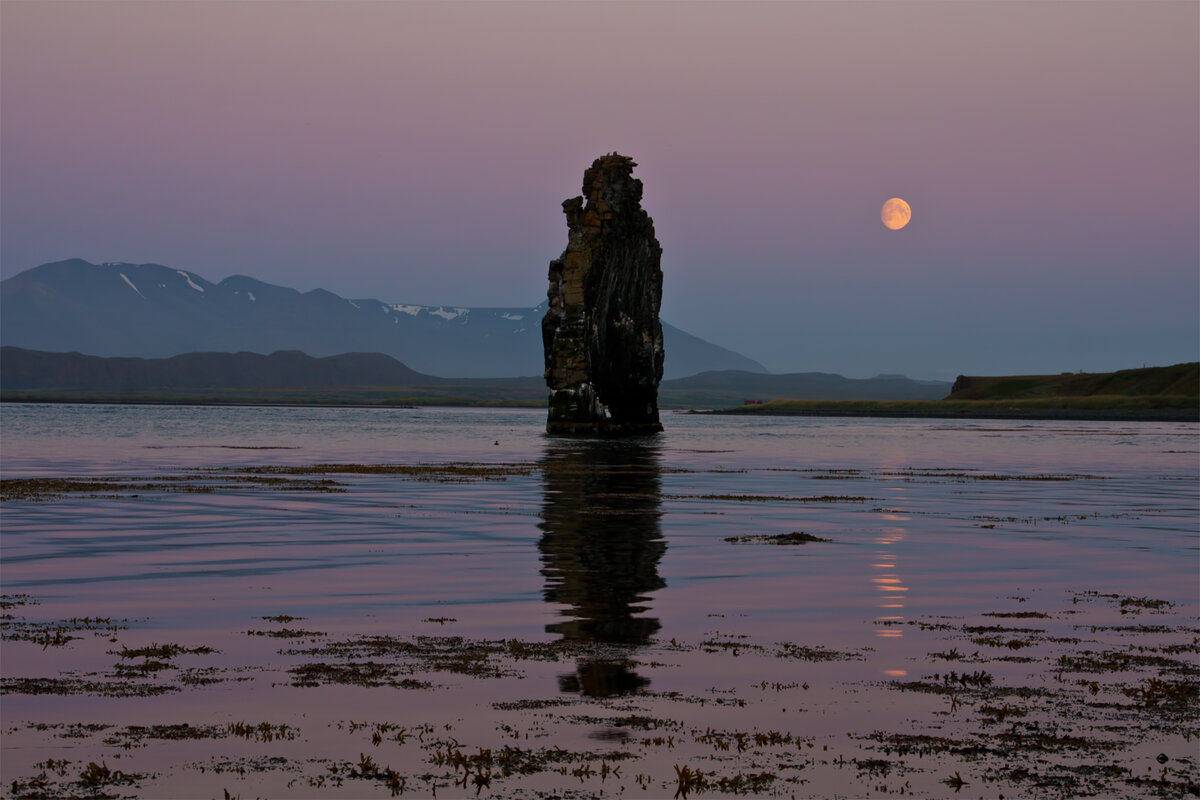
(896,214)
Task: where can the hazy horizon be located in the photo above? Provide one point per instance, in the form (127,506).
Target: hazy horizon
(419,153)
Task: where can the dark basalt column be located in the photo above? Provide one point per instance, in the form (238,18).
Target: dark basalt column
(601,333)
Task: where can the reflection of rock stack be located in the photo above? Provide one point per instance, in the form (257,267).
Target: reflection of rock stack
(602,336)
(601,544)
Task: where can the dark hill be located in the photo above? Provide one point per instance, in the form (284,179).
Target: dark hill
(1179,380)
(292,376)
(30,370)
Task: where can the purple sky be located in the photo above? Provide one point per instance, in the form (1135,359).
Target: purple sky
(419,153)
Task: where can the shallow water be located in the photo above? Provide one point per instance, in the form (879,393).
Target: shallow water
(647,641)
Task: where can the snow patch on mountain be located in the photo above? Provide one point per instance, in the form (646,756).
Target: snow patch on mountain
(450,314)
(189,280)
(412,311)
(131,286)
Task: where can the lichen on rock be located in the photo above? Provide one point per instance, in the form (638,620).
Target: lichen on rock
(602,336)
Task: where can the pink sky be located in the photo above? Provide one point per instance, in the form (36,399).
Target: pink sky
(419,152)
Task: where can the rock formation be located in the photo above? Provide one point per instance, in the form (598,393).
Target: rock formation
(602,336)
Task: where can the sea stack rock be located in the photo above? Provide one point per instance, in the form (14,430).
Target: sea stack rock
(602,336)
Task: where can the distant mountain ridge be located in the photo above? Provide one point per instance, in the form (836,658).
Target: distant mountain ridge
(26,370)
(733,387)
(153,311)
(374,377)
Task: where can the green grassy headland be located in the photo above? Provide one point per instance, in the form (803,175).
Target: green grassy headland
(1180,380)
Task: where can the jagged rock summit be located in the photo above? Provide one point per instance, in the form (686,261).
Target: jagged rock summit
(601,333)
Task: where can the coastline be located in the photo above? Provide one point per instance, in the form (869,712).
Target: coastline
(850,408)
(957,412)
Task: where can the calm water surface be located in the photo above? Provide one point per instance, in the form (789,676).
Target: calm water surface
(469,526)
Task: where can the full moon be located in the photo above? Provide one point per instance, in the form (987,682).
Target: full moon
(895,214)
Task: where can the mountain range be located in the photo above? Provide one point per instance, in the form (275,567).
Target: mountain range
(76,329)
(153,311)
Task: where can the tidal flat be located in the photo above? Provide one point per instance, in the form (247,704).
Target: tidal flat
(274,602)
